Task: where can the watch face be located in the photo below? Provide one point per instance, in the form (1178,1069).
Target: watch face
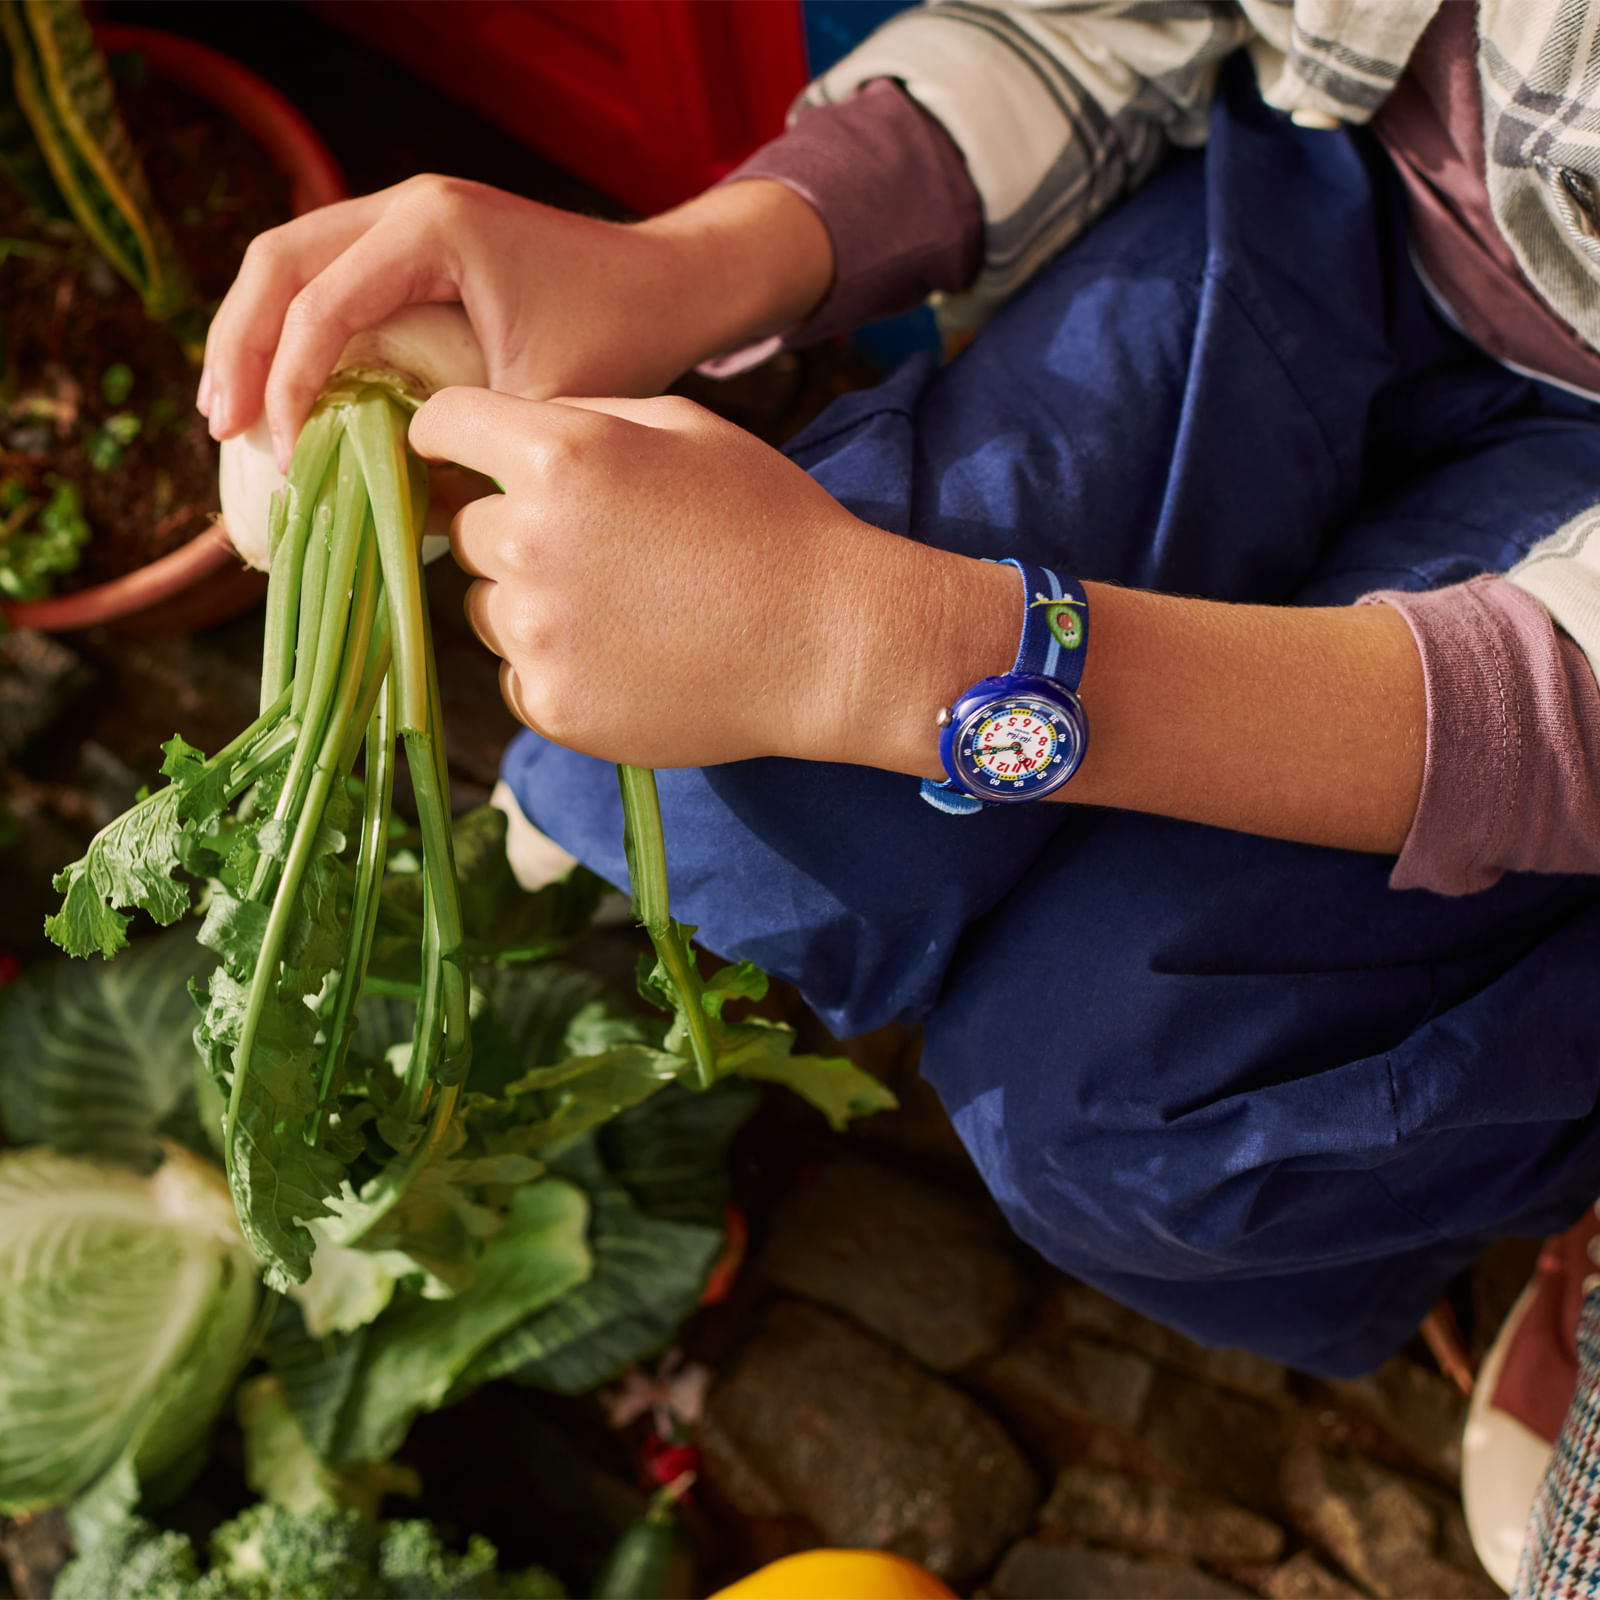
(1017,747)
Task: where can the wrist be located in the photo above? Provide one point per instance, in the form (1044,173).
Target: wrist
(738,263)
(912,629)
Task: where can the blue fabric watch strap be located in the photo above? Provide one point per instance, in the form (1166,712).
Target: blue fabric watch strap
(1055,625)
(1055,639)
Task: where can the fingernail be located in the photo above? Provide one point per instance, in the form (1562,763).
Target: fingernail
(202,398)
(282,450)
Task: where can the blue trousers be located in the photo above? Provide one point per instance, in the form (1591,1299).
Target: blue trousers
(1239,1084)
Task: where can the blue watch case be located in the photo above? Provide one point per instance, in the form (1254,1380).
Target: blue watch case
(1023,734)
(1014,738)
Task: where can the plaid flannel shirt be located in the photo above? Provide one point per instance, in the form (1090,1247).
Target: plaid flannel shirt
(1061,107)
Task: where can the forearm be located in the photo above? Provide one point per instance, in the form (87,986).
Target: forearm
(734,265)
(1297,723)
(1305,724)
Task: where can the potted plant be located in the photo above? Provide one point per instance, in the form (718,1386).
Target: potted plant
(97,428)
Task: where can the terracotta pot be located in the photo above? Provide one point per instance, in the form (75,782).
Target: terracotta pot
(203,582)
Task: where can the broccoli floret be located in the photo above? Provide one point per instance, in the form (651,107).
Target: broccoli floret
(414,1565)
(132,1561)
(267,1552)
(531,1583)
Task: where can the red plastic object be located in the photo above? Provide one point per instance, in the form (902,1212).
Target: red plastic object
(202,582)
(647,100)
(665,1462)
(735,1242)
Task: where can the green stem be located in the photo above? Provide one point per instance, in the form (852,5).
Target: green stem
(329,673)
(313,587)
(374,681)
(442,908)
(301,491)
(283,739)
(426,1030)
(645,848)
(325,773)
(330,570)
(266,727)
(378,801)
(457,1045)
(377,429)
(396,1178)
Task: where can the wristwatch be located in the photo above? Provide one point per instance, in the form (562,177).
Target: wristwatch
(1021,735)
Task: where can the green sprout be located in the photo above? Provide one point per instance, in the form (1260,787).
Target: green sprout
(116,383)
(38,537)
(106,444)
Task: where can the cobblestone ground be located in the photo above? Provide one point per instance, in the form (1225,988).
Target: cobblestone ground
(893,1368)
(896,1370)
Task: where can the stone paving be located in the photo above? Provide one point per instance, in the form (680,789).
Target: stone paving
(897,1370)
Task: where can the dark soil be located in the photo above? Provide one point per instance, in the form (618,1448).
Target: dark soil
(68,320)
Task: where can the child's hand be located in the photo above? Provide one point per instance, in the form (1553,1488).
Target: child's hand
(560,303)
(667,591)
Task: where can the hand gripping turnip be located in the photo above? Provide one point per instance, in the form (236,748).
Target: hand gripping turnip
(417,351)
(347,669)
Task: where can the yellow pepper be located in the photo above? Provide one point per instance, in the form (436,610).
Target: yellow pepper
(838,1575)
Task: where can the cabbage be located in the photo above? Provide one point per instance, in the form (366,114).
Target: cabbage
(126,1306)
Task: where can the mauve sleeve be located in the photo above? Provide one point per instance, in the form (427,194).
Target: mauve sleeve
(1511,780)
(892,190)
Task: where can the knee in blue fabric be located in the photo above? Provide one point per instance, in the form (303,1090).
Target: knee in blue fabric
(1262,1064)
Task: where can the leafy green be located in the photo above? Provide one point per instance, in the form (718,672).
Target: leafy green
(39,538)
(647,1278)
(671,1153)
(657,1179)
(64,90)
(348,1287)
(105,446)
(116,383)
(318,1375)
(129,863)
(356,1394)
(100,1060)
(414,1355)
(281,1466)
(502,921)
(281,1179)
(582,1092)
(20,160)
(125,1304)
(838,1088)
(552,1013)
(758,1048)
(348,1121)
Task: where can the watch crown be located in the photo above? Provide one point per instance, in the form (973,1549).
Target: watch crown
(944,719)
